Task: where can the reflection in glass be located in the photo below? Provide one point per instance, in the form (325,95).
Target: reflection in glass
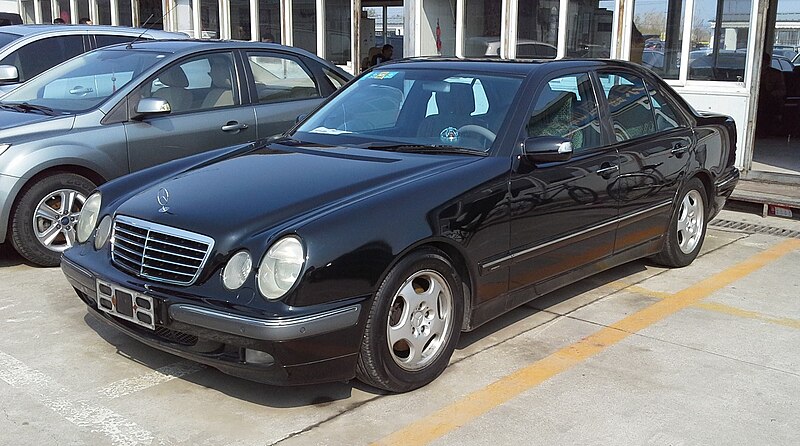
(720,30)
(269,18)
(209,19)
(28,11)
(439,28)
(47,13)
(240,19)
(657,35)
(83,9)
(482,28)
(337,31)
(537,29)
(304,22)
(589,26)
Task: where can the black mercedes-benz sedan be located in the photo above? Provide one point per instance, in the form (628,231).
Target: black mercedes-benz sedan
(422,200)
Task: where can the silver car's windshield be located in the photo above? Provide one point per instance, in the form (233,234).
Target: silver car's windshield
(415,109)
(81,83)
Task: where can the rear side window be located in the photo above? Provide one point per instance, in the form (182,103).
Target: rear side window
(567,107)
(280,79)
(43,54)
(666,118)
(106,39)
(630,106)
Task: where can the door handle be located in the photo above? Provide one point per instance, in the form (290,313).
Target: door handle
(81,90)
(606,170)
(233,126)
(678,149)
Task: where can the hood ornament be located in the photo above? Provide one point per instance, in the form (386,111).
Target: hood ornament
(163,199)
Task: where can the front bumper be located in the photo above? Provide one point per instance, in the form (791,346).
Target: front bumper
(317,346)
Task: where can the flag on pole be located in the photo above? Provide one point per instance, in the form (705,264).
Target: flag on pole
(438,38)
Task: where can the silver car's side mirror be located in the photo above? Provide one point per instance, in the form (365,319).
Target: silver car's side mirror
(9,74)
(153,106)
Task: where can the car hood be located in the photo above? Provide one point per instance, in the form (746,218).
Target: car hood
(265,188)
(11,121)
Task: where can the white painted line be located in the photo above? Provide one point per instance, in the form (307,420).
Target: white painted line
(161,375)
(81,413)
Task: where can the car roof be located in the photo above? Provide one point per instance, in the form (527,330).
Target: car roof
(30,30)
(510,66)
(190,45)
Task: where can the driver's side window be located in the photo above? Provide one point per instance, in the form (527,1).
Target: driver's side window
(566,107)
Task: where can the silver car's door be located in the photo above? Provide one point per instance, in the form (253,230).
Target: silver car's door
(207,111)
(283,87)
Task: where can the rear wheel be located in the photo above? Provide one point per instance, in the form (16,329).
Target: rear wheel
(413,325)
(687,228)
(45,217)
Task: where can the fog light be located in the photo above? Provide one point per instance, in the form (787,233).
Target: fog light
(258,357)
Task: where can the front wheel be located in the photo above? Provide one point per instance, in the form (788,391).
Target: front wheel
(45,218)
(687,228)
(413,325)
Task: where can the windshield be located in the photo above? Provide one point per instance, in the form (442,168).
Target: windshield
(400,108)
(84,82)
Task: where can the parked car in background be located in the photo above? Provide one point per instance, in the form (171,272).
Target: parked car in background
(424,199)
(124,108)
(526,49)
(10,18)
(27,50)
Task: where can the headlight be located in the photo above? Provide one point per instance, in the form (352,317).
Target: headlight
(103,232)
(280,268)
(237,270)
(88,217)
(4,147)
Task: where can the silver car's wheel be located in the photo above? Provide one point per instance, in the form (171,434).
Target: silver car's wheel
(45,216)
(420,317)
(55,217)
(687,227)
(413,324)
(691,217)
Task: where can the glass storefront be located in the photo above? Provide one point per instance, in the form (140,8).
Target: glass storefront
(64,11)
(482,28)
(537,29)
(209,19)
(589,28)
(338,36)
(125,12)
(719,40)
(269,20)
(240,19)
(304,22)
(103,12)
(657,35)
(438,28)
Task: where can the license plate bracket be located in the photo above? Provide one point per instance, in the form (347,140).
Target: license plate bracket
(126,304)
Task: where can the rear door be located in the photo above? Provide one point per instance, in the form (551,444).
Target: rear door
(208,110)
(653,142)
(562,216)
(282,88)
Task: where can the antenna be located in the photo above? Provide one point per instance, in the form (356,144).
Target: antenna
(144,25)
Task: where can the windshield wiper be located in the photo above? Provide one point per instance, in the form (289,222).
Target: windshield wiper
(425,148)
(25,107)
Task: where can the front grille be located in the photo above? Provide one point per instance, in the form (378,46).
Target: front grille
(159,252)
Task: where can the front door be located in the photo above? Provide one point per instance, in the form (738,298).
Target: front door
(207,111)
(562,216)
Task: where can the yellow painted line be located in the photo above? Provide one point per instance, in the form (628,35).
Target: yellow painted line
(477,403)
(738,312)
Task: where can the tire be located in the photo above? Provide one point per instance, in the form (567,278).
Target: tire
(687,227)
(44,217)
(403,349)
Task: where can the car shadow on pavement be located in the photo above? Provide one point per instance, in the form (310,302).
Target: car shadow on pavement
(543,303)
(318,395)
(9,257)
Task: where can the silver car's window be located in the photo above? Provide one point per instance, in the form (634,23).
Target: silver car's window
(416,107)
(6,38)
(280,79)
(84,82)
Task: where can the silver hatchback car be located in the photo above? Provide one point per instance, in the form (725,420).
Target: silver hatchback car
(28,50)
(124,108)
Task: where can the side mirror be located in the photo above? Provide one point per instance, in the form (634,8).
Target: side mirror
(300,117)
(8,74)
(152,106)
(547,149)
